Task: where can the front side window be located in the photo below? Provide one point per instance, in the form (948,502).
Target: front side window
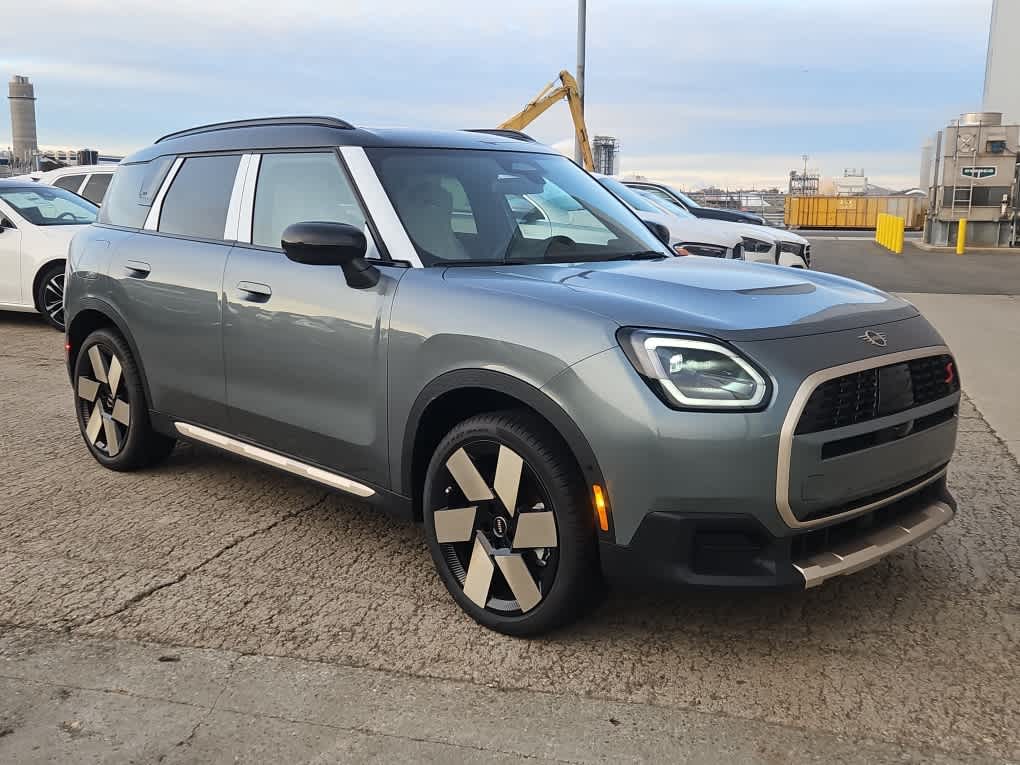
(50,206)
(95,189)
(302,187)
(518,207)
(197,201)
(630,196)
(69,182)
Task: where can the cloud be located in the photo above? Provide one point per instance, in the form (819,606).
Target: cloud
(744,84)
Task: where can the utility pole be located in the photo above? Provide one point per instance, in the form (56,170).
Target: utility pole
(581,24)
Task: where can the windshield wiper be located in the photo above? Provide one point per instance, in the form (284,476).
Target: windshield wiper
(643,255)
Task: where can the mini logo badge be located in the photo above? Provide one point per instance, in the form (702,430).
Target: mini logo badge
(873,337)
(500,526)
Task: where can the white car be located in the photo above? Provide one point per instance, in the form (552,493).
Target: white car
(37,224)
(687,235)
(762,244)
(89,181)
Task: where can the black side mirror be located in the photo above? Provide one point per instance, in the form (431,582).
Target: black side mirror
(661,231)
(322,243)
(5,224)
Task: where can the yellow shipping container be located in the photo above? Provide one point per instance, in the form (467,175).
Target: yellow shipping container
(852,212)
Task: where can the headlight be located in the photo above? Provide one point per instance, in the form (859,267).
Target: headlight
(704,250)
(693,372)
(792,247)
(756,246)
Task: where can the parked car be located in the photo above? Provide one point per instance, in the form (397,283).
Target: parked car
(36,227)
(761,244)
(555,410)
(687,235)
(89,181)
(670,194)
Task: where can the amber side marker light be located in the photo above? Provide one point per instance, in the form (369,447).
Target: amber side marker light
(600,507)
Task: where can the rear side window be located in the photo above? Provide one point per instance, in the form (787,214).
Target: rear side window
(131,192)
(197,201)
(95,189)
(69,182)
(301,187)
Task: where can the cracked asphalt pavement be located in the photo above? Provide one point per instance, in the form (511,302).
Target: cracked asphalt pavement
(212,607)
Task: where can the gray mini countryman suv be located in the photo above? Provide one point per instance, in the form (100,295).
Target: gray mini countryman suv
(560,403)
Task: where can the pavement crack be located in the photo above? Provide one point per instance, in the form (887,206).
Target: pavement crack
(150,591)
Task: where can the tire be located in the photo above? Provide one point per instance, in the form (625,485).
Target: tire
(509,524)
(110,405)
(49,295)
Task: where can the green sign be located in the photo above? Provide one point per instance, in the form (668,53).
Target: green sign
(977,172)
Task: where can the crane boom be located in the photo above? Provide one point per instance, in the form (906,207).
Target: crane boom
(549,95)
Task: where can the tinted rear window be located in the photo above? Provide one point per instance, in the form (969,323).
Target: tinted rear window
(196,204)
(131,192)
(95,189)
(69,182)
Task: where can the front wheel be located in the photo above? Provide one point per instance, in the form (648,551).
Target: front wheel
(509,525)
(49,296)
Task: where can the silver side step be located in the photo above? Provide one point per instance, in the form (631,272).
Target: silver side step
(873,546)
(267,457)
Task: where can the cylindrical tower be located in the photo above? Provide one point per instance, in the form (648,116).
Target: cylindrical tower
(23,132)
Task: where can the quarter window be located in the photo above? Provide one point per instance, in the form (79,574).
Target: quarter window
(69,182)
(197,201)
(302,187)
(132,191)
(95,189)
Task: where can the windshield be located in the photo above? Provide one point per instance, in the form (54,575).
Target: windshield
(683,197)
(666,206)
(50,206)
(481,207)
(628,195)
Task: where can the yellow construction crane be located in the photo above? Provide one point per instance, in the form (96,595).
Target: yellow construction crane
(551,94)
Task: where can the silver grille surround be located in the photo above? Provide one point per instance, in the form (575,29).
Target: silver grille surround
(787,434)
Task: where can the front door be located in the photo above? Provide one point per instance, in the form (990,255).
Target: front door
(305,354)
(10,259)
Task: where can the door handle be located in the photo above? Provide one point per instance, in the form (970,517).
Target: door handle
(137,268)
(255,291)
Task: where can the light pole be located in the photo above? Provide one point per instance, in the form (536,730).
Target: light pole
(581,24)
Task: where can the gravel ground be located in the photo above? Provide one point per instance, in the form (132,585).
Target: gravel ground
(922,650)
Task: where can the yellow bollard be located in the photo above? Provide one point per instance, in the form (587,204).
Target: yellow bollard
(898,244)
(961,237)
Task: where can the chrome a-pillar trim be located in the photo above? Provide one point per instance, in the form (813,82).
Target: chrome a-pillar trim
(273,459)
(380,208)
(873,546)
(152,219)
(786,436)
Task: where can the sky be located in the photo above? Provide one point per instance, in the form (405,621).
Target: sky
(698,92)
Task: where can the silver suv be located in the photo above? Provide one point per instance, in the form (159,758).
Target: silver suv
(558,405)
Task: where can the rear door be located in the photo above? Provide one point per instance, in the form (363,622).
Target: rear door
(168,279)
(305,353)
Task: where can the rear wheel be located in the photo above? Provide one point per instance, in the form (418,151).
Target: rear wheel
(49,295)
(508,524)
(110,405)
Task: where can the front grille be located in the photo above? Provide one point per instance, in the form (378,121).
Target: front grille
(879,392)
(807,255)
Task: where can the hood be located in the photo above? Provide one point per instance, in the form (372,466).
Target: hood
(736,300)
(762,233)
(692,230)
(59,236)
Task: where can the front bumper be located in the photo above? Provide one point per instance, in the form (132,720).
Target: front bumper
(736,551)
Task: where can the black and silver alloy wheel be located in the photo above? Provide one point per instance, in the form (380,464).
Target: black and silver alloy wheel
(508,524)
(110,405)
(104,403)
(496,534)
(50,295)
